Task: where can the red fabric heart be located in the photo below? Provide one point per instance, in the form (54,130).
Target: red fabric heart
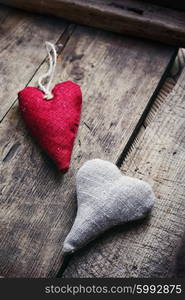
(54,123)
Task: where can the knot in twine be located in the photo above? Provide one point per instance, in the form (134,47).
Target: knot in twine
(52,54)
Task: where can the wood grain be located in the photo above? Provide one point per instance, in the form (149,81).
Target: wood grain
(118,75)
(149,248)
(22,49)
(128,17)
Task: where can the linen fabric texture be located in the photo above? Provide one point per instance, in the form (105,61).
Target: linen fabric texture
(105,198)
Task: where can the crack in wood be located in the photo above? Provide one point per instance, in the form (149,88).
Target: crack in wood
(87,126)
(141,123)
(11,152)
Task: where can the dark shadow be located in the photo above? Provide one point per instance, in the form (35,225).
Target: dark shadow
(180,260)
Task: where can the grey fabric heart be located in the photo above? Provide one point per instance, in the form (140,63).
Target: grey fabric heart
(105,198)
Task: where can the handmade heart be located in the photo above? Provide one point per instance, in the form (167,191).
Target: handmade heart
(105,198)
(54,123)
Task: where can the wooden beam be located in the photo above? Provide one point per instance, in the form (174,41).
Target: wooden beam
(128,17)
(118,76)
(149,248)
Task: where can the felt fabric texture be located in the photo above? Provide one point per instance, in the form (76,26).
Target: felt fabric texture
(53,123)
(105,198)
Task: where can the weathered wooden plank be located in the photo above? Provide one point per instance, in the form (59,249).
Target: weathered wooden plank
(128,17)
(118,75)
(22,49)
(148,248)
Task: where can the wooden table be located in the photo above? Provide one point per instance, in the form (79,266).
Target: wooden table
(126,119)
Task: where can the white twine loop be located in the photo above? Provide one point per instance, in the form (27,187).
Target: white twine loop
(52,54)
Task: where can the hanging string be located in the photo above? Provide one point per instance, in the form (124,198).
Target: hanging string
(52,54)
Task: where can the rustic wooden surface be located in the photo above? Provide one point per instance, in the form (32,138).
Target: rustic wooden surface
(119,77)
(150,248)
(22,49)
(131,17)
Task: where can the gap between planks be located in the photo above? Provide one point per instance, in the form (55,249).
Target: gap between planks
(144,116)
(164,87)
(151,248)
(34,190)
